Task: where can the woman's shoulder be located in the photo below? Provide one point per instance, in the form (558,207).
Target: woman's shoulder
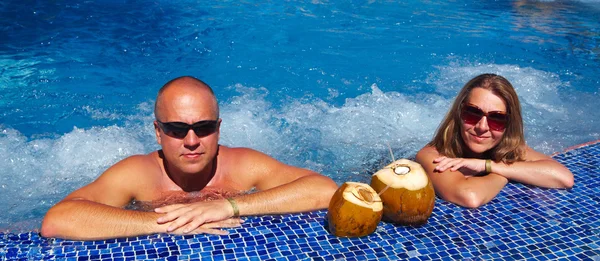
(427,152)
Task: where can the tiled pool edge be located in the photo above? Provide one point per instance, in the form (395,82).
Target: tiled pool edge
(523,222)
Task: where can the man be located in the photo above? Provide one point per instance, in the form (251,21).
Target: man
(187,127)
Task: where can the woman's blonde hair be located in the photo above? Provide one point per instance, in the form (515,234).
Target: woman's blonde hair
(448,140)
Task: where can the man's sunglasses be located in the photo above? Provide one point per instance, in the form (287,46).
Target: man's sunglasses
(179,130)
(471,114)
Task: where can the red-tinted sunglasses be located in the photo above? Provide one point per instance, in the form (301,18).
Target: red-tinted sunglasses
(179,130)
(471,114)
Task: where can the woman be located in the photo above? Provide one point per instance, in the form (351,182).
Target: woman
(479,147)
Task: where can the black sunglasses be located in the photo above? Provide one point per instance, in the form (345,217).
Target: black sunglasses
(179,130)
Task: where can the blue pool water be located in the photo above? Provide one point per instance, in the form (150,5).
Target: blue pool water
(321,85)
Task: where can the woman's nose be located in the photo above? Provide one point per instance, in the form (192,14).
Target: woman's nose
(482,125)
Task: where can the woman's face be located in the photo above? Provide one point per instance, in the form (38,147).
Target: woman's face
(476,133)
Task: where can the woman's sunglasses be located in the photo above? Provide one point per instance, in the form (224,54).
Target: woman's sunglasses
(179,130)
(471,114)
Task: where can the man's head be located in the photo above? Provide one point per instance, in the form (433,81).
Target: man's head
(187,124)
(190,82)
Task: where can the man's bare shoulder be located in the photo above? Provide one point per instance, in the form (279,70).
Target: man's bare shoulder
(241,154)
(237,151)
(136,168)
(137,163)
(127,179)
(249,168)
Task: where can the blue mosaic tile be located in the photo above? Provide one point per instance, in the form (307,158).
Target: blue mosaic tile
(522,222)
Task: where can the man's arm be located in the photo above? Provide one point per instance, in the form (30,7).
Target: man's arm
(454,186)
(88,220)
(95,210)
(308,193)
(282,189)
(83,219)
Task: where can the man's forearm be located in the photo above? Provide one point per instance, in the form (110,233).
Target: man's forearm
(304,194)
(87,220)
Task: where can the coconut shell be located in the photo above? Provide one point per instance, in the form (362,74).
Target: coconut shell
(404,202)
(349,219)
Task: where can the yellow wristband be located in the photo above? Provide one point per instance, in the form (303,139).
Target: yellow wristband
(236,210)
(488,166)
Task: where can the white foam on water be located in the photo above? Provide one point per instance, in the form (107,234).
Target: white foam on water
(38,173)
(315,134)
(555,117)
(347,142)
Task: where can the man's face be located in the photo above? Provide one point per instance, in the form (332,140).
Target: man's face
(187,152)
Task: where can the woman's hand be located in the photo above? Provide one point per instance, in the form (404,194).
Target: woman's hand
(469,167)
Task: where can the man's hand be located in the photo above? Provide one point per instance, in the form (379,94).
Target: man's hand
(189,217)
(212,227)
(469,167)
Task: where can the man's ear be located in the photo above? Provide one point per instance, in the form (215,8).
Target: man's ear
(157,132)
(219,128)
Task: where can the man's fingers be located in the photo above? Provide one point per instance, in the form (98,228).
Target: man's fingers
(173,214)
(232,222)
(185,220)
(228,223)
(168,208)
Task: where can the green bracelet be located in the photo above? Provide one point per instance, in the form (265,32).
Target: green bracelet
(488,166)
(236,210)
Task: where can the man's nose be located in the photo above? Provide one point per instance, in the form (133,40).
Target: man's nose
(191,139)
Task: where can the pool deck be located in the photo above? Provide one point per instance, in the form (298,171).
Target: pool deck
(521,223)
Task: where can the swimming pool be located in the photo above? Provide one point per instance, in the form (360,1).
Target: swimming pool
(319,85)
(522,223)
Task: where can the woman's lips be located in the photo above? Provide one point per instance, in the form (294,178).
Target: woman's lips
(479,138)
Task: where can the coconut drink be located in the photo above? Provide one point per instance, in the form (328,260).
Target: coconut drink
(406,191)
(354,210)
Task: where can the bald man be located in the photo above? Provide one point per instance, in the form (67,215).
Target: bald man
(187,127)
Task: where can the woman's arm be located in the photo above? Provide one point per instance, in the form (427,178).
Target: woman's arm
(454,179)
(537,169)
(457,187)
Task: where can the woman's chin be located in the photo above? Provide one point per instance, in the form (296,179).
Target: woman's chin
(477,150)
